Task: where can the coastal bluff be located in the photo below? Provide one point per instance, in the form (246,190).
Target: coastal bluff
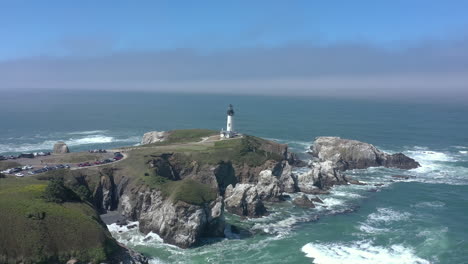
(180,184)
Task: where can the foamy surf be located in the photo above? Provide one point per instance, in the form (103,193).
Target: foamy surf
(439,167)
(89,132)
(360,252)
(387,215)
(72,142)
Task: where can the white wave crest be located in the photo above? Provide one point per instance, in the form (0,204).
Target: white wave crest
(90,132)
(387,215)
(425,155)
(434,204)
(361,252)
(438,167)
(460,147)
(48,144)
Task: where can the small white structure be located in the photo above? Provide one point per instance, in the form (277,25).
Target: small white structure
(229,132)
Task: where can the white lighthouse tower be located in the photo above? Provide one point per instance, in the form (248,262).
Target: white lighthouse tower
(229,132)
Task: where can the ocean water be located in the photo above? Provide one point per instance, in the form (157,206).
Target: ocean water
(422,220)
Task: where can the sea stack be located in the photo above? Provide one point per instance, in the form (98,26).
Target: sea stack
(154,137)
(347,154)
(60,148)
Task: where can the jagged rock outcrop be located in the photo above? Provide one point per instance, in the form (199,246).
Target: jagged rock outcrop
(268,186)
(321,176)
(60,148)
(154,137)
(303,201)
(244,200)
(177,223)
(287,179)
(127,256)
(352,154)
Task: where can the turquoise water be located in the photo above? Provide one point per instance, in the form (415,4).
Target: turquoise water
(420,221)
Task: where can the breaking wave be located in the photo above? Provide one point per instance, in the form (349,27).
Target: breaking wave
(73,142)
(387,215)
(90,132)
(360,252)
(441,167)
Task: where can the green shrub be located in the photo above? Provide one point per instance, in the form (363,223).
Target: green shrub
(83,192)
(56,192)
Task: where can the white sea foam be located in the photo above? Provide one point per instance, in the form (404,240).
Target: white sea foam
(156,261)
(74,141)
(438,167)
(90,132)
(361,252)
(367,228)
(425,155)
(279,228)
(377,222)
(434,204)
(331,202)
(463,152)
(460,147)
(386,215)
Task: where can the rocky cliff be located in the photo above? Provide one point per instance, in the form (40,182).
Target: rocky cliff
(180,189)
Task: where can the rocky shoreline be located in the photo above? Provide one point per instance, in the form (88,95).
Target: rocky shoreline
(248,187)
(179,184)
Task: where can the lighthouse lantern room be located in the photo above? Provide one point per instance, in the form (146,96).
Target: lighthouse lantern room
(229,132)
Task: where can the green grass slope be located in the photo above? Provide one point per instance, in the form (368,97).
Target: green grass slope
(249,150)
(35,231)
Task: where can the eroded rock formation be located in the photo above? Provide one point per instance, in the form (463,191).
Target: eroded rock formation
(60,148)
(154,137)
(349,154)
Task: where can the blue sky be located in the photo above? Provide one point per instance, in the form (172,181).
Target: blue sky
(53,27)
(171,45)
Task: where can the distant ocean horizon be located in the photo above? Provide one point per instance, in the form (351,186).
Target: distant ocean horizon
(419,221)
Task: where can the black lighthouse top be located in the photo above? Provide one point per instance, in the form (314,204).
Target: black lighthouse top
(230,110)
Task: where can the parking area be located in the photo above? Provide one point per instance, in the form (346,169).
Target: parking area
(29,164)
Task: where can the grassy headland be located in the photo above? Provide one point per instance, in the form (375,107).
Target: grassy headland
(36,231)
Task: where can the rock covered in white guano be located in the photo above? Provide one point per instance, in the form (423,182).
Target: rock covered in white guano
(243,200)
(321,176)
(268,186)
(178,223)
(60,148)
(352,154)
(287,179)
(154,137)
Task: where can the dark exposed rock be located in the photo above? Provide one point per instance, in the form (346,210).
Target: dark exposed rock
(122,222)
(403,177)
(225,175)
(317,200)
(162,166)
(127,255)
(349,154)
(355,182)
(303,201)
